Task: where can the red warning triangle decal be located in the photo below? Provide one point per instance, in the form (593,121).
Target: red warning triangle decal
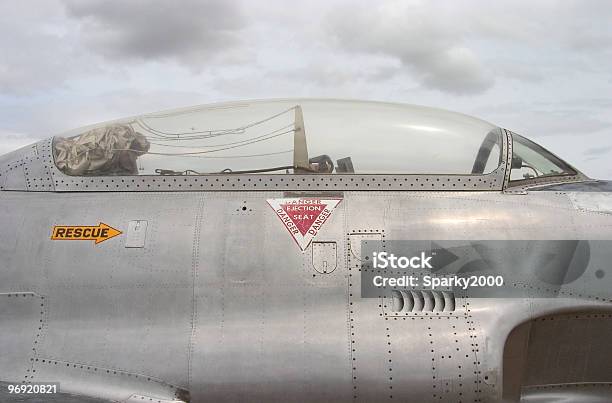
(303,217)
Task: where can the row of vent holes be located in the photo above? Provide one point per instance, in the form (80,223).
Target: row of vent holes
(80,366)
(565,293)
(584,316)
(212,185)
(313,179)
(143,181)
(573,385)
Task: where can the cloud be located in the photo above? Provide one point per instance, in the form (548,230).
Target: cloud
(12,141)
(429,47)
(597,151)
(556,120)
(569,24)
(189,31)
(564,122)
(539,68)
(44,119)
(465,47)
(36,53)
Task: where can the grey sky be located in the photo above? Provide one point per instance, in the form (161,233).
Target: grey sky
(542,69)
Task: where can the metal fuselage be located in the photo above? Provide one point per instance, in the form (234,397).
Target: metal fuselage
(206,296)
(221,305)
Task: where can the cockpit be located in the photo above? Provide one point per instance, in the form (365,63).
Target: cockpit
(323,137)
(400,146)
(302,136)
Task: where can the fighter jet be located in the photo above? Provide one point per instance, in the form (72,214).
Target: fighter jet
(302,250)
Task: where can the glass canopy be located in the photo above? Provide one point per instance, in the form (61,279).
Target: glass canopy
(284,137)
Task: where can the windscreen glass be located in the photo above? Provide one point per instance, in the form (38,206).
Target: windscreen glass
(284,137)
(530,160)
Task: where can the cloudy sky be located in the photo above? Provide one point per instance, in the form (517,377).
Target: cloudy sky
(540,68)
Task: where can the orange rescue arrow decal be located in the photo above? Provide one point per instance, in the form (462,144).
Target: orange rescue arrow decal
(99,233)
